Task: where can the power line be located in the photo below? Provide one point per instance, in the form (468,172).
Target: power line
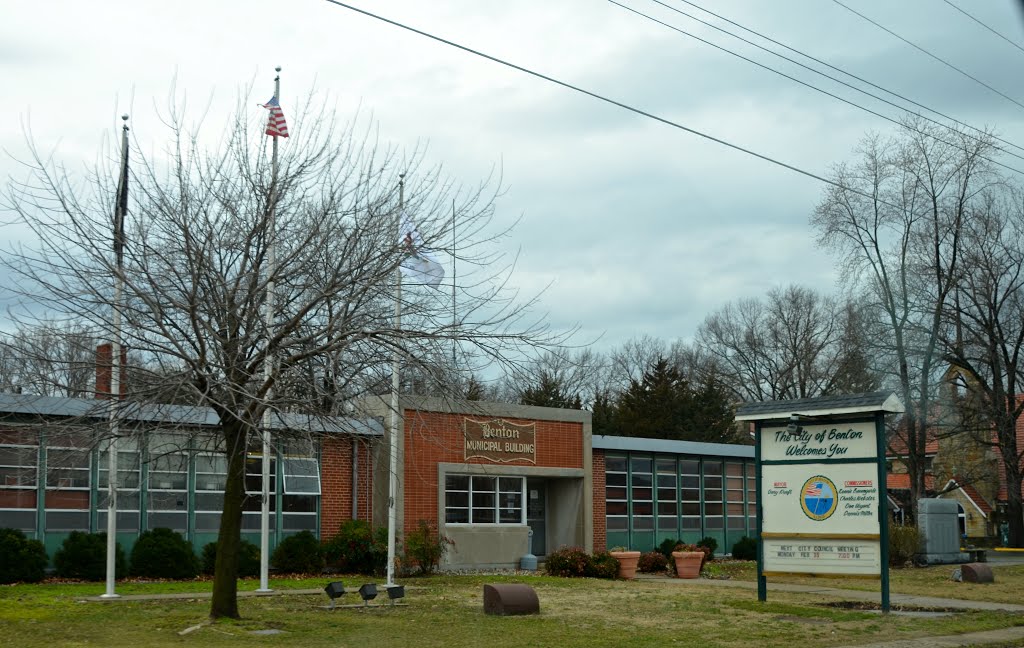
(984,25)
(816,88)
(937,58)
(613,102)
(830,66)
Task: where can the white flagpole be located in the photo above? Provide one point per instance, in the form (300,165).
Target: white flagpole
(115,366)
(396,413)
(268,368)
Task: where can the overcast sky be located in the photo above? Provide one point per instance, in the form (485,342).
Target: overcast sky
(633,226)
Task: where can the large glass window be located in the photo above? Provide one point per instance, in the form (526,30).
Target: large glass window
(713,508)
(689,493)
(252,509)
(168,481)
(128,480)
(751,497)
(211,476)
(736,518)
(615,493)
(19,469)
(478,499)
(301,473)
(68,467)
(668,498)
(642,492)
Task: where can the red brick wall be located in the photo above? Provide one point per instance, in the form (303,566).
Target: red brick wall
(437,437)
(336,482)
(600,528)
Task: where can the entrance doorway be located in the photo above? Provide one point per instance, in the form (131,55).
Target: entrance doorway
(536,515)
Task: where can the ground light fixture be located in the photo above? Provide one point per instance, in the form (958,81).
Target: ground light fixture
(335,590)
(395,592)
(368,592)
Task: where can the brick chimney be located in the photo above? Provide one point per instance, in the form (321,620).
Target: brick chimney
(105,367)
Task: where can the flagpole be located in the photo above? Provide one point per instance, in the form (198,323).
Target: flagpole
(115,365)
(268,365)
(396,413)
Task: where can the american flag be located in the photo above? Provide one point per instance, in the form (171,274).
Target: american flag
(814,489)
(275,124)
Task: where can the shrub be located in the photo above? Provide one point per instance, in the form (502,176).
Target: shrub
(745,549)
(573,562)
(163,553)
(22,560)
(569,562)
(652,562)
(904,542)
(603,565)
(356,549)
(667,546)
(425,547)
(711,544)
(298,554)
(248,558)
(84,555)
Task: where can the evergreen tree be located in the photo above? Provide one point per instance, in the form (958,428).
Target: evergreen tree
(664,405)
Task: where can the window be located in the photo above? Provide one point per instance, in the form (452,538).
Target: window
(477,499)
(689,494)
(642,493)
(211,475)
(668,499)
(19,467)
(67,484)
(751,498)
(168,481)
(736,517)
(713,509)
(616,502)
(253,507)
(128,480)
(301,473)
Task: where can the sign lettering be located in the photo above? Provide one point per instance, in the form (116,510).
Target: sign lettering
(500,440)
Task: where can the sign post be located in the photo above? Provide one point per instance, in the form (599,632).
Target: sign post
(821,491)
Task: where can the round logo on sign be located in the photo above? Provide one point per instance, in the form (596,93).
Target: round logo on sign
(818,498)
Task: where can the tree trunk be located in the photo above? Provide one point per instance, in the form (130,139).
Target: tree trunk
(1011,465)
(225,575)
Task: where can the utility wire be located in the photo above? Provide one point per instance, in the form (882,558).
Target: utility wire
(984,25)
(830,66)
(937,58)
(817,89)
(613,102)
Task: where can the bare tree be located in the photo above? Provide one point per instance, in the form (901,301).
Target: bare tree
(48,359)
(897,215)
(987,338)
(197,272)
(787,346)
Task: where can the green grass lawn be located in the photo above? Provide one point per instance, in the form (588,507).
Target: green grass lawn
(448,611)
(935,580)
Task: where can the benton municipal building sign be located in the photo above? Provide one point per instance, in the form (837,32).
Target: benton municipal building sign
(500,440)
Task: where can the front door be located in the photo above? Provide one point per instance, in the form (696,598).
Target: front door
(536,515)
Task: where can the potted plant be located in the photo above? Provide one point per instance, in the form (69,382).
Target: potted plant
(627,561)
(688,560)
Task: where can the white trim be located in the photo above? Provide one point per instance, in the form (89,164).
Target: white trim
(969,498)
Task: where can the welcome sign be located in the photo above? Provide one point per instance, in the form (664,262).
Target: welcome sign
(821,486)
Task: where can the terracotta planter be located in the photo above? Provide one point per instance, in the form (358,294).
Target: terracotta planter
(627,563)
(688,563)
